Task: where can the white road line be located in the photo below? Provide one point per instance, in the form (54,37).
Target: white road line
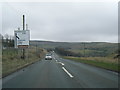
(60,63)
(63,64)
(113,72)
(67,72)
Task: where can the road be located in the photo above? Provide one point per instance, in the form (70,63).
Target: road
(61,73)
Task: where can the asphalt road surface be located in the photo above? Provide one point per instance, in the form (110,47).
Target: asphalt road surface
(61,73)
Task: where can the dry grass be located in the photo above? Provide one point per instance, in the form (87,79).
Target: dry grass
(11,59)
(102,62)
(100,59)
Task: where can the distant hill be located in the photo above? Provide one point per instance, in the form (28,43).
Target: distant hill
(75,45)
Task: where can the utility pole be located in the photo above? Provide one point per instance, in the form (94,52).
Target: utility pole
(84,49)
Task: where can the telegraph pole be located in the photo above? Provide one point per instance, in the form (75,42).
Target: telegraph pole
(84,49)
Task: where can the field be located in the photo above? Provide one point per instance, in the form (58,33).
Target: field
(12,61)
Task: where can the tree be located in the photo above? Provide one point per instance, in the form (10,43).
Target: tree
(8,41)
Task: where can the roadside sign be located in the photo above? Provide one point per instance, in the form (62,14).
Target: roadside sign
(22,38)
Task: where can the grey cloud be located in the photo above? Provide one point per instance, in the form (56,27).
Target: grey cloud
(64,21)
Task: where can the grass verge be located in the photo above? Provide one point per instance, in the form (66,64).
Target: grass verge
(98,63)
(11,59)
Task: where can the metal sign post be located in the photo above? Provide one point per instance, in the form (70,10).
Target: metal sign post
(22,38)
(23,29)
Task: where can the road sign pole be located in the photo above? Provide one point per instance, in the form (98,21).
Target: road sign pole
(23,53)
(23,22)
(23,29)
(22,38)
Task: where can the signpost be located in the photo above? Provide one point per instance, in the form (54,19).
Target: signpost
(22,38)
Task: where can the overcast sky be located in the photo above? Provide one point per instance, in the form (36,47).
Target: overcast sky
(64,21)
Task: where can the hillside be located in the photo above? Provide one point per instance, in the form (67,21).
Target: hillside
(89,48)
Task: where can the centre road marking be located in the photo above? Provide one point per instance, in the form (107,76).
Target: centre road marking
(60,63)
(67,72)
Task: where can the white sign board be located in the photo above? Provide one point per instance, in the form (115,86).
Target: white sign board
(22,37)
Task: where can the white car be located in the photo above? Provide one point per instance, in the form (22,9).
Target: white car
(48,57)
